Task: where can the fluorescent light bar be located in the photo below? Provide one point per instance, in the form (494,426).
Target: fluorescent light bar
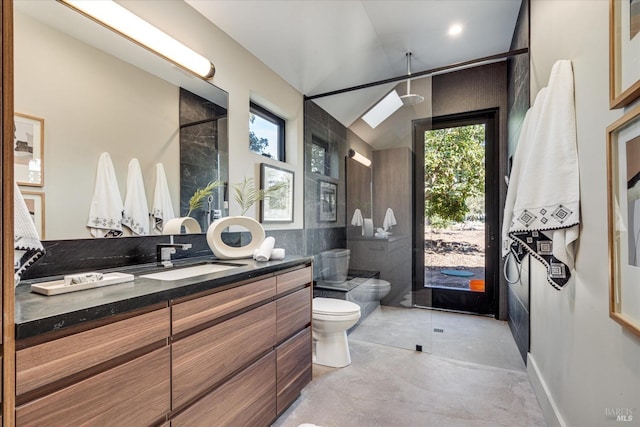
(359,158)
(383,109)
(129,25)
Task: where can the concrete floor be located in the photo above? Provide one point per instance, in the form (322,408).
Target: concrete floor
(471,376)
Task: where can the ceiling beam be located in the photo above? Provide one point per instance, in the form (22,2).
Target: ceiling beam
(437,70)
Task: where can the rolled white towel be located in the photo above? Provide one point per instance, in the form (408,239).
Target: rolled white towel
(264,251)
(277,254)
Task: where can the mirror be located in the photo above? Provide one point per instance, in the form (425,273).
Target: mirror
(98,92)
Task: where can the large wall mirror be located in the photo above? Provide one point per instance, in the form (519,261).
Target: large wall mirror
(97,92)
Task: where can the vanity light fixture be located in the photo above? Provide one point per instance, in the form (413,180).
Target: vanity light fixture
(120,20)
(359,158)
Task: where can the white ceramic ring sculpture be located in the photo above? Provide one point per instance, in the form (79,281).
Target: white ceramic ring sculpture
(222,250)
(174,226)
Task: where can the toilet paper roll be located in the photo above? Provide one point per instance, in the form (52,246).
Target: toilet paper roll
(224,251)
(367,229)
(174,226)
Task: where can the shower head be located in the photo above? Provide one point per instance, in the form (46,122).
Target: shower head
(410,99)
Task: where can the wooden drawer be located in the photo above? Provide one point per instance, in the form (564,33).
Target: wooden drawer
(293,362)
(293,313)
(133,394)
(293,279)
(247,399)
(45,363)
(189,314)
(202,360)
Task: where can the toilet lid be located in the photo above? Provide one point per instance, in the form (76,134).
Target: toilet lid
(334,306)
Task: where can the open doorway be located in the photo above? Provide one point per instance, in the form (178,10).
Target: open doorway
(456,213)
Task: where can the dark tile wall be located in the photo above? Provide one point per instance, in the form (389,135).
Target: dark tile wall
(320,236)
(202,147)
(518,101)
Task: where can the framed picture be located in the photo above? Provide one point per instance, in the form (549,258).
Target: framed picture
(624,52)
(35,204)
(327,201)
(28,150)
(277,184)
(623,182)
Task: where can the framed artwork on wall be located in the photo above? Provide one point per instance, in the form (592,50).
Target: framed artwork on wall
(327,201)
(28,150)
(277,185)
(624,52)
(623,184)
(35,203)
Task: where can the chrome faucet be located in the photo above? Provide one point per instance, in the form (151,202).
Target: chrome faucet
(165,250)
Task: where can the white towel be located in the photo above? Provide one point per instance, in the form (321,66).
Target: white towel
(263,253)
(389,220)
(105,214)
(136,210)
(162,206)
(27,247)
(543,204)
(277,254)
(357,219)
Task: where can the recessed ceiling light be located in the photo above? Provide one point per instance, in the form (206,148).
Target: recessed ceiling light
(455,29)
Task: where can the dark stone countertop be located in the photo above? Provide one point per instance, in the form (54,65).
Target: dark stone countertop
(37,314)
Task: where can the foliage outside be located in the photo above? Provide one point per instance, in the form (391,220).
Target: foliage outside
(454,172)
(257,145)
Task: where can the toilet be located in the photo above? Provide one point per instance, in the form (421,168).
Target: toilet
(371,290)
(331,319)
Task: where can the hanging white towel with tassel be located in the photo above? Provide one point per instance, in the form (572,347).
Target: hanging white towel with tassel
(27,247)
(389,220)
(105,214)
(136,210)
(357,218)
(542,209)
(162,206)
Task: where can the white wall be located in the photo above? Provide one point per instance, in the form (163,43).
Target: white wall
(42,90)
(244,77)
(581,362)
(91,103)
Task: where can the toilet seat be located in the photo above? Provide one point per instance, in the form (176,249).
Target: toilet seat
(376,283)
(334,307)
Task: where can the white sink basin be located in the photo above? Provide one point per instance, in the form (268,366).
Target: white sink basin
(186,272)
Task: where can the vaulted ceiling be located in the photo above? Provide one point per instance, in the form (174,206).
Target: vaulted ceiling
(323,45)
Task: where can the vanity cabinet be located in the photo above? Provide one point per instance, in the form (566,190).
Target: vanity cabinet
(113,374)
(234,355)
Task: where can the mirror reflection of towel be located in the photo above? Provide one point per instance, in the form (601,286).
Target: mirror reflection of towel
(162,206)
(105,214)
(27,247)
(389,220)
(357,219)
(136,211)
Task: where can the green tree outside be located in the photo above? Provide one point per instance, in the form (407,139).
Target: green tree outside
(454,171)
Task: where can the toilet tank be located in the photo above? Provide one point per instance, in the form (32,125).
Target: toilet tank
(335,265)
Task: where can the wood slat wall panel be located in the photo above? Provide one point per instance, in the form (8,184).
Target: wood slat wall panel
(246,400)
(293,279)
(189,314)
(202,360)
(133,394)
(36,367)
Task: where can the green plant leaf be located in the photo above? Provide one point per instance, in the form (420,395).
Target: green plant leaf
(197,200)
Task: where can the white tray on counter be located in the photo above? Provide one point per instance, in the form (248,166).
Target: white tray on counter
(57,287)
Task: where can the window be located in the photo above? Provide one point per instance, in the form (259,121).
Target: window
(320,157)
(266,133)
